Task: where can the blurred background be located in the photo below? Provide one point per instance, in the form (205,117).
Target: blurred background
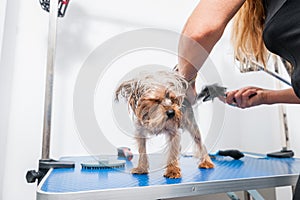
(86,25)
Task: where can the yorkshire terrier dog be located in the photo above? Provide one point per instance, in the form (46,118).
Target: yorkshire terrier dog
(159,106)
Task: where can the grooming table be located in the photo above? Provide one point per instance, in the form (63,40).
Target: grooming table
(248,173)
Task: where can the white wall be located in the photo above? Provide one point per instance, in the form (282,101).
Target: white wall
(4,101)
(22,77)
(86,25)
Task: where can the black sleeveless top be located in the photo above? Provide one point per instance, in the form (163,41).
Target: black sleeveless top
(282,33)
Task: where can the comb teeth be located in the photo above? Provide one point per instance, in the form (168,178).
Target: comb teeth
(103,164)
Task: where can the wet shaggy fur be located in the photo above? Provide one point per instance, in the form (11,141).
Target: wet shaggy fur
(158,103)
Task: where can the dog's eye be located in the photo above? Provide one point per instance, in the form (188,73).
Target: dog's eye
(175,101)
(145,117)
(157,100)
(167,95)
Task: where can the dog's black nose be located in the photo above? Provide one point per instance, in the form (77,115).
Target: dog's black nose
(170,113)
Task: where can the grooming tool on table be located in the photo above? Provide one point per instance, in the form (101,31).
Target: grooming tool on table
(125,152)
(284,153)
(233,153)
(103,164)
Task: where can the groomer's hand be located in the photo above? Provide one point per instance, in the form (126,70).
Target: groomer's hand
(246,97)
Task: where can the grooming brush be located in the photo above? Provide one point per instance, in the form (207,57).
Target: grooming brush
(103,164)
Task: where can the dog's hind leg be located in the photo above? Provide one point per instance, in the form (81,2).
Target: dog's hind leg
(190,125)
(173,169)
(143,163)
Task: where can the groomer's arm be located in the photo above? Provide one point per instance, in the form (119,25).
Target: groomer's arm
(282,96)
(253,96)
(201,32)
(205,26)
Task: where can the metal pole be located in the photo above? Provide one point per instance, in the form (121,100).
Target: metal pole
(282,114)
(49,79)
(45,163)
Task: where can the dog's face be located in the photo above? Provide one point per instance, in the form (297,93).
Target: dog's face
(156,100)
(159,110)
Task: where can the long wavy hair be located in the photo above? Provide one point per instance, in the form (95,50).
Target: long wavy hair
(247,32)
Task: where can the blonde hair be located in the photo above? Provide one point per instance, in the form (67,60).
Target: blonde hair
(247,32)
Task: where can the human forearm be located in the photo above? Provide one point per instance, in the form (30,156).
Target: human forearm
(253,96)
(203,29)
(281,96)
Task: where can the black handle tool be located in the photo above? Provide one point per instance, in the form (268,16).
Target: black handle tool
(235,154)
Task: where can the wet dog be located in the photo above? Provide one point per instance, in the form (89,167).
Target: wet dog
(160,106)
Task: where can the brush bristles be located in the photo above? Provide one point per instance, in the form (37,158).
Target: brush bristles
(101,165)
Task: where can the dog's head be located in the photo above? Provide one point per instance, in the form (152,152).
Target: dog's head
(156,99)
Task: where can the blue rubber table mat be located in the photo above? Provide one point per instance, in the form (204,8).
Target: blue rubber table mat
(80,180)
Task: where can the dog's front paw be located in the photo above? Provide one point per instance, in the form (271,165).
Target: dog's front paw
(139,170)
(172,172)
(206,163)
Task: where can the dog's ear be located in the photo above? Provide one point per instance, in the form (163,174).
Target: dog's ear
(129,91)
